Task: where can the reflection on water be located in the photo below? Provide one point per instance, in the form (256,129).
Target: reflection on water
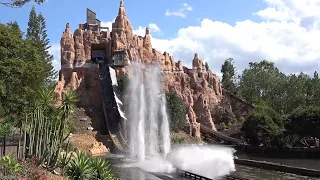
(261,174)
(305,163)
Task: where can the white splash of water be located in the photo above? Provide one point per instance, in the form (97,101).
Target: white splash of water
(208,161)
(146,107)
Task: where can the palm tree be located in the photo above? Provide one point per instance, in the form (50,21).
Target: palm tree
(68,104)
(45,95)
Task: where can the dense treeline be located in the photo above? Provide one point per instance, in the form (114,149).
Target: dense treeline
(287,106)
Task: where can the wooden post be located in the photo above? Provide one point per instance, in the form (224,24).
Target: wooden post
(4,146)
(19,144)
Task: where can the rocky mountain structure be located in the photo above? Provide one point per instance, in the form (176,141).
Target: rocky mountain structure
(199,89)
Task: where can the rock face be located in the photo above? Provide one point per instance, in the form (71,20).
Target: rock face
(98,148)
(200,90)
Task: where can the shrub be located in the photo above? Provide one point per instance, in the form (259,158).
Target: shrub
(178,139)
(10,166)
(102,169)
(177,111)
(264,125)
(82,166)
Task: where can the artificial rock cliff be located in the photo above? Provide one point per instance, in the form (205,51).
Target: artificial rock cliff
(199,89)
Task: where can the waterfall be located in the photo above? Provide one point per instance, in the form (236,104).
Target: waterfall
(147,112)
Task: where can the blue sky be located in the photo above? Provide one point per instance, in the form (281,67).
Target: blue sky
(283,31)
(140,13)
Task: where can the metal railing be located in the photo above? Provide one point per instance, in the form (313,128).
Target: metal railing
(191,175)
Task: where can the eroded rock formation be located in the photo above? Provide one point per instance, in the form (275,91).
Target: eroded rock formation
(97,148)
(200,90)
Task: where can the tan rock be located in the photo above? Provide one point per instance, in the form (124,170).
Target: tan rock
(80,54)
(197,63)
(98,148)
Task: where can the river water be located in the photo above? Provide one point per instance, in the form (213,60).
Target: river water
(132,173)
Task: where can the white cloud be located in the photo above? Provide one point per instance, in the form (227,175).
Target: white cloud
(288,34)
(141,31)
(180,12)
(106,24)
(154,28)
(55,51)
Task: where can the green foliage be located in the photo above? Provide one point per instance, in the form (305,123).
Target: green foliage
(18,3)
(20,66)
(80,167)
(177,111)
(263,82)
(178,139)
(6,129)
(264,126)
(228,75)
(102,169)
(37,34)
(305,121)
(12,164)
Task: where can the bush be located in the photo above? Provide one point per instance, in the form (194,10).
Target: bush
(178,139)
(264,125)
(177,111)
(82,166)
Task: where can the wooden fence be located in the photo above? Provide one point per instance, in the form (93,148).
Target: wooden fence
(9,146)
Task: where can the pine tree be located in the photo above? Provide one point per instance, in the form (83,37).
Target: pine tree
(228,75)
(33,26)
(37,34)
(44,49)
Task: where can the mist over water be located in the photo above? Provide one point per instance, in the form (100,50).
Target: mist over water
(149,132)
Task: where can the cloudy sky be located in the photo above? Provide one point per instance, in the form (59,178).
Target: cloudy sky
(286,32)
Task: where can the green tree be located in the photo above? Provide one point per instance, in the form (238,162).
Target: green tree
(21,70)
(297,91)
(44,49)
(264,126)
(305,121)
(263,82)
(33,29)
(37,34)
(177,111)
(228,75)
(18,3)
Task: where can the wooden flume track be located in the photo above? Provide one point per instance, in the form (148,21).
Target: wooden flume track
(110,109)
